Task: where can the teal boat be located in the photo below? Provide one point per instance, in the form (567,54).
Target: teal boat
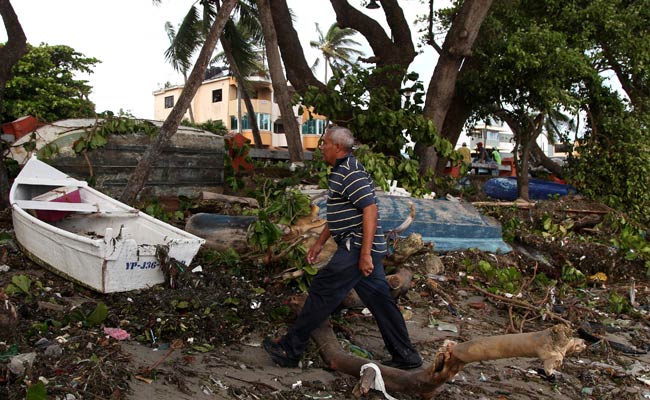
(451,225)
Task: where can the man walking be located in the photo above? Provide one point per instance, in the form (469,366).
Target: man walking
(353,223)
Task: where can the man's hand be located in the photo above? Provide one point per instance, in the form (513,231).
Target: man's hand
(365,264)
(314,251)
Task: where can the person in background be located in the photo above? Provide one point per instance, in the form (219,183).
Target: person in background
(464,151)
(481,154)
(496,156)
(354,224)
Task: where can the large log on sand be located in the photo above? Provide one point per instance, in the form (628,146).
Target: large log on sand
(550,345)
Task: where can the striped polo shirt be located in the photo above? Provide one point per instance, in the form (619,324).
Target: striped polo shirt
(351,189)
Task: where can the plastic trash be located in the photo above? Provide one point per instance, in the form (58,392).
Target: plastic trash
(378,384)
(117,333)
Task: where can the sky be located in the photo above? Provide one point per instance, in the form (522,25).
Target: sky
(128,37)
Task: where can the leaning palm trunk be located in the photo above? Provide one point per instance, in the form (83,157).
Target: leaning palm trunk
(280,86)
(190,106)
(169,127)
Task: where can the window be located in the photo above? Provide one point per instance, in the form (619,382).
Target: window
(169,101)
(263,121)
(217,95)
(244,122)
(233,123)
(314,127)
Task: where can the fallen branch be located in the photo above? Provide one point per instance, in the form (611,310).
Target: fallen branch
(587,222)
(176,344)
(518,203)
(521,304)
(572,210)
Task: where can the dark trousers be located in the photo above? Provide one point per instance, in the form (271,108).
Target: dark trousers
(328,290)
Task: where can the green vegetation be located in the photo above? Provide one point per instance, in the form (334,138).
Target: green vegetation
(385,119)
(506,280)
(216,127)
(44,85)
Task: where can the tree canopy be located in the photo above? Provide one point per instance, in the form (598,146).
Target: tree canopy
(45,84)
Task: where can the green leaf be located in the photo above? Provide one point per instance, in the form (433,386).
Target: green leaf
(10,352)
(182,305)
(22,282)
(5,237)
(98,315)
(36,391)
(310,270)
(203,348)
(231,301)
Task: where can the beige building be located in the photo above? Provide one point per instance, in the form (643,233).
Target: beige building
(219,100)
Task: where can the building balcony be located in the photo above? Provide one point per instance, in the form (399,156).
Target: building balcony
(260,106)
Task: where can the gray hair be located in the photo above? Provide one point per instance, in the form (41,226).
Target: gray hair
(342,136)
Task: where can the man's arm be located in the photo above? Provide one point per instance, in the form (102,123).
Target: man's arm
(370,215)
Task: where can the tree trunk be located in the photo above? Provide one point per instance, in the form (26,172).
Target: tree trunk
(280,86)
(546,162)
(14,49)
(190,106)
(459,111)
(227,49)
(457,45)
(298,71)
(534,128)
(525,131)
(10,54)
(393,50)
(170,126)
(522,170)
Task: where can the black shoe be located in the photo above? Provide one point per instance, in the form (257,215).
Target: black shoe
(403,364)
(278,354)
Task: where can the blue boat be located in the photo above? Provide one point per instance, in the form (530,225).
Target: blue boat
(505,188)
(450,225)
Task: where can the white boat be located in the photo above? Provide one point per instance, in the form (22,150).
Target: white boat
(76,231)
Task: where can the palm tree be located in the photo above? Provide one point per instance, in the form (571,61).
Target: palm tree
(335,47)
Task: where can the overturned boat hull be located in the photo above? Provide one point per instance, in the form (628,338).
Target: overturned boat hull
(449,225)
